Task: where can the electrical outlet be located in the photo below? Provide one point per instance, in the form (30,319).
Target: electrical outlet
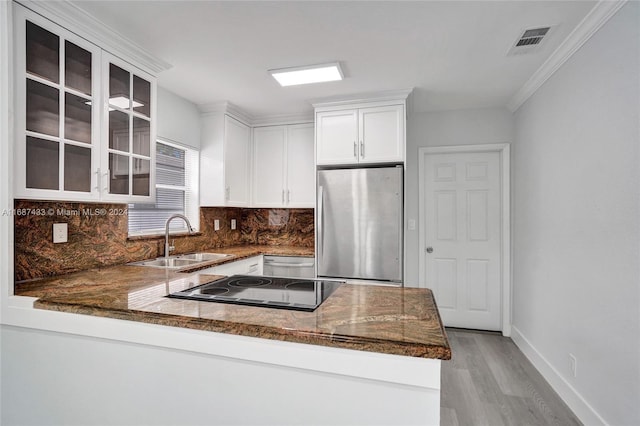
(216,225)
(60,233)
(233,224)
(573,363)
(412,225)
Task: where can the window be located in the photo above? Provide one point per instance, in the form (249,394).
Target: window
(176,192)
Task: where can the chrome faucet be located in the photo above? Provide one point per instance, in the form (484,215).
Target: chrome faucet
(169,248)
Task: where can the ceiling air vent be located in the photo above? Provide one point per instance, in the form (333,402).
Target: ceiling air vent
(529,41)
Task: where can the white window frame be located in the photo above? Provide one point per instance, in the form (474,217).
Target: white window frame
(191,190)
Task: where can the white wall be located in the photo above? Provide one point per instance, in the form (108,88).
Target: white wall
(178,119)
(445,128)
(577,214)
(53,378)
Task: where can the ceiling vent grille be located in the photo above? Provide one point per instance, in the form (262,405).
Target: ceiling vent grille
(530,40)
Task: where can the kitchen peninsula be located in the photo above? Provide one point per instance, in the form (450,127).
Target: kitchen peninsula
(382,343)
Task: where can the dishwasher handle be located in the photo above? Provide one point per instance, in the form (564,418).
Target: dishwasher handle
(289,265)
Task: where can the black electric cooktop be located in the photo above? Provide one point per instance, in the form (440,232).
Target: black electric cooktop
(272,292)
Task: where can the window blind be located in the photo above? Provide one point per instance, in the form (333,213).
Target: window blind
(176,192)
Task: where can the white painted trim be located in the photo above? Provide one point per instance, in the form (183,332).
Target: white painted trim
(6,153)
(591,23)
(284,119)
(77,20)
(348,102)
(505,165)
(580,407)
(226,107)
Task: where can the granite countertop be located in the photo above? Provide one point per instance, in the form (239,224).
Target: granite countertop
(400,321)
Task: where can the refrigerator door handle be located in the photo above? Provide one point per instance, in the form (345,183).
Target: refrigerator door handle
(320,224)
(400,225)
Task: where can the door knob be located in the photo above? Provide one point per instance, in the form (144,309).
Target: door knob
(429,249)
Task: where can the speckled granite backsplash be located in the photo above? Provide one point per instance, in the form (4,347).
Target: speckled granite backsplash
(98,235)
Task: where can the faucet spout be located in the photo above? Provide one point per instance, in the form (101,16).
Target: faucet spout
(167,247)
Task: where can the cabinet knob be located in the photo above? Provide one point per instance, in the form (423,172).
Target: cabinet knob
(429,250)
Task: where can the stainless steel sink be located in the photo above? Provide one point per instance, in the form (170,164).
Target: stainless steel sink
(181,261)
(203,257)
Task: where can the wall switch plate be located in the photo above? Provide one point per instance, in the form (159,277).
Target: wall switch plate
(60,233)
(412,225)
(216,225)
(233,224)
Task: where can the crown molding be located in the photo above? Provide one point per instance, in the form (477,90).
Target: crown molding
(85,25)
(226,107)
(388,95)
(591,23)
(276,120)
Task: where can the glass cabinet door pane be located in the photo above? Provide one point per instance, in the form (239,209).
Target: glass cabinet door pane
(118,174)
(77,168)
(42,164)
(118,87)
(43,108)
(77,68)
(77,120)
(119,131)
(141,176)
(141,136)
(141,96)
(43,53)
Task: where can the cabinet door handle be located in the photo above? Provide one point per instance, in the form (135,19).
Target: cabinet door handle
(288,196)
(98,180)
(283,196)
(355,149)
(107,187)
(361,149)
(227,191)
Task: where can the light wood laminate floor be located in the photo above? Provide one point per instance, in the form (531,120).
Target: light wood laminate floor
(490,382)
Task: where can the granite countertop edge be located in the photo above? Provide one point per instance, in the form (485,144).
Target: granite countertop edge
(88,293)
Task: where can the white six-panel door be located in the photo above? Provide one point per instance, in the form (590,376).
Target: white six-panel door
(462,237)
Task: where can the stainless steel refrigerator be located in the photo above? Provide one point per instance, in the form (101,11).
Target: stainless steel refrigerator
(360,224)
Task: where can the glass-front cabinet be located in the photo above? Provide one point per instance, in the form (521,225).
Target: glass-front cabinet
(84,120)
(131,144)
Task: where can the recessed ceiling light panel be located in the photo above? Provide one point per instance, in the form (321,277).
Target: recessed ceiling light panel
(307,74)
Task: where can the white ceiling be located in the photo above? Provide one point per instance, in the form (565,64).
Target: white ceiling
(454,54)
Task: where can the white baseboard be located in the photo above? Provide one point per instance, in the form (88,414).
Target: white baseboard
(581,408)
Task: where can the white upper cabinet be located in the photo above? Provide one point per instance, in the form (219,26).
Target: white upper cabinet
(284,172)
(224,161)
(381,131)
(74,138)
(269,145)
(364,135)
(337,137)
(301,173)
(129,153)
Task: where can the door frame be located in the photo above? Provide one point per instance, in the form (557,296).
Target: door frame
(505,244)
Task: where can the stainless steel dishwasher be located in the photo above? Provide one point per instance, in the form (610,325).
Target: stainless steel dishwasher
(289,266)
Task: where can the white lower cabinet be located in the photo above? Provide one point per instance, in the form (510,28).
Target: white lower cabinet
(249,266)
